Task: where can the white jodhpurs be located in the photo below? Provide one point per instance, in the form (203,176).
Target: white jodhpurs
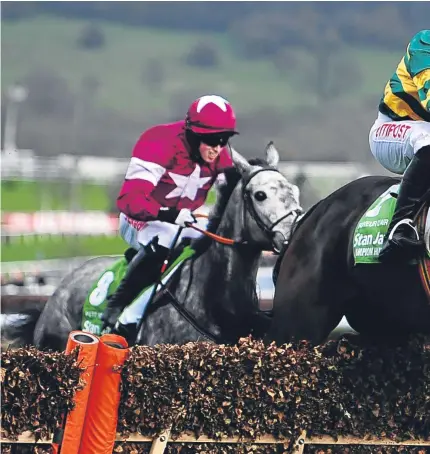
(394,143)
(138,234)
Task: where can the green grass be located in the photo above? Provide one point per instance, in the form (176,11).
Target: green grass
(30,196)
(44,247)
(50,43)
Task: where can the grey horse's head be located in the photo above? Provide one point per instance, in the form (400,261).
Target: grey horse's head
(271,202)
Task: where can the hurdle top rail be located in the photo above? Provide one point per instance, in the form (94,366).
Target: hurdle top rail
(160,442)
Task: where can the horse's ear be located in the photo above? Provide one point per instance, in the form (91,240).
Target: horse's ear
(240,162)
(272,155)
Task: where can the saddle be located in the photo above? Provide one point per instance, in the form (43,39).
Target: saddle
(177,251)
(373,225)
(111,277)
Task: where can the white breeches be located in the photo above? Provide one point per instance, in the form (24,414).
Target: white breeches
(166,232)
(394,143)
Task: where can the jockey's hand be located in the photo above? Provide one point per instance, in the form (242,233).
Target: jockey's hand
(185,217)
(173,216)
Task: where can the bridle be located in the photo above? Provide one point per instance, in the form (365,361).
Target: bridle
(248,206)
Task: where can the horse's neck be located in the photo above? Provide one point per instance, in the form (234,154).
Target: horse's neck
(225,277)
(233,267)
(217,288)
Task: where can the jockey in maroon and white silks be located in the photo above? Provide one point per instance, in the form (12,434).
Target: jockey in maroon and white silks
(164,174)
(172,168)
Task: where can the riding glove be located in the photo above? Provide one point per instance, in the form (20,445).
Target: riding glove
(174,216)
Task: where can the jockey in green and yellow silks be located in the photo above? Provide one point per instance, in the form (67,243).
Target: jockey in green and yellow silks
(400,141)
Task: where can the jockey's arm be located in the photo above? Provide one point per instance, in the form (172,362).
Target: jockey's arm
(422,81)
(136,202)
(417,60)
(147,166)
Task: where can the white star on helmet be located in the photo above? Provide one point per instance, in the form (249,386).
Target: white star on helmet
(215,99)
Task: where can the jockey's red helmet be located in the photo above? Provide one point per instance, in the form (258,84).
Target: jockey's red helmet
(211,114)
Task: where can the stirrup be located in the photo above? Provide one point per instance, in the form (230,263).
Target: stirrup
(408,222)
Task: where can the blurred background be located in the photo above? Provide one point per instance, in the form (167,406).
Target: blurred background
(82,80)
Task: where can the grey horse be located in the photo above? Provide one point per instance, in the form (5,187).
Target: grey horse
(213,295)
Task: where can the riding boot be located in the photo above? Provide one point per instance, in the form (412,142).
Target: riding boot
(142,271)
(402,241)
(128,332)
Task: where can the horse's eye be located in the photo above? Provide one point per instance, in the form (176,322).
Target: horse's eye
(260,196)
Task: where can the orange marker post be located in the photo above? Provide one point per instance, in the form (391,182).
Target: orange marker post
(88,345)
(101,419)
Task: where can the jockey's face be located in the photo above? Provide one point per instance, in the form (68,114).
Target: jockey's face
(211,145)
(209,153)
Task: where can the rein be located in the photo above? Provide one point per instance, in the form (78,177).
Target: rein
(189,317)
(213,236)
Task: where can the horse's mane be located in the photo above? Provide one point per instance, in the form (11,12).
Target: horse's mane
(232,176)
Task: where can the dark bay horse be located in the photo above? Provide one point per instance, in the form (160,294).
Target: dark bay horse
(216,287)
(317,282)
